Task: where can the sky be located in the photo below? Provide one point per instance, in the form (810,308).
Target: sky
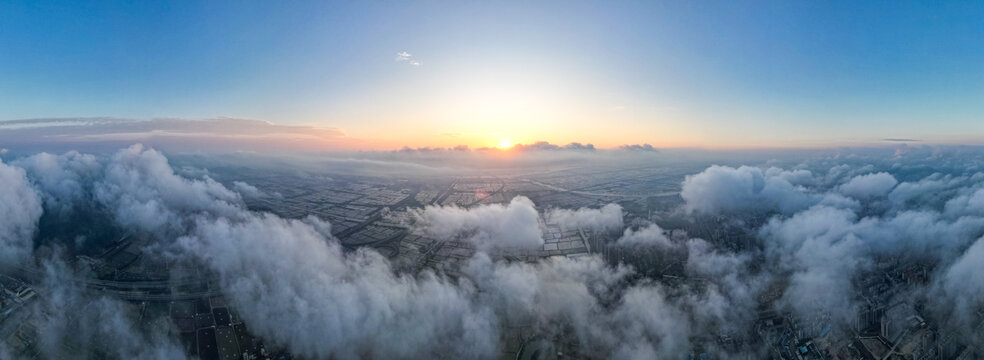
(729,74)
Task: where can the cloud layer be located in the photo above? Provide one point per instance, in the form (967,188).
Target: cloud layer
(514,225)
(20,210)
(222,134)
(817,229)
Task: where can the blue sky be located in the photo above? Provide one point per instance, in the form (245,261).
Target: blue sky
(710,74)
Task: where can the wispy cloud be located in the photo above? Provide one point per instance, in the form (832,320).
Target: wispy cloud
(900,140)
(229,133)
(404,56)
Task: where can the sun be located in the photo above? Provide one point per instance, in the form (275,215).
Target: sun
(505,143)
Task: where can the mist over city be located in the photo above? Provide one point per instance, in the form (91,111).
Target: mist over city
(507,180)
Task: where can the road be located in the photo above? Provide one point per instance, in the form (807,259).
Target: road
(592,193)
(128,290)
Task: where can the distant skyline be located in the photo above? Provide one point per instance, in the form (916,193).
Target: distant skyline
(380,76)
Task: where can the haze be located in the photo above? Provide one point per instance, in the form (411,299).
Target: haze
(245,180)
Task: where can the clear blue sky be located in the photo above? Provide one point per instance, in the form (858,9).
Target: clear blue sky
(687,73)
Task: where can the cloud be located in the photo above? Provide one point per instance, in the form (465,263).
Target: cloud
(404,56)
(961,286)
(900,140)
(967,202)
(326,302)
(226,134)
(721,189)
(144,192)
(71,322)
(61,178)
(828,246)
(20,211)
(796,177)
(607,218)
(638,147)
(931,191)
(515,225)
(820,250)
(369,310)
(649,236)
(337,304)
(869,186)
(579,146)
(561,295)
(249,191)
(546,146)
(246,189)
(298,288)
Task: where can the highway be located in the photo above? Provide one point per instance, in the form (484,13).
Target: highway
(157,290)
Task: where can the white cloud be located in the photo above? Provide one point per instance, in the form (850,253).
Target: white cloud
(487,226)
(404,56)
(61,178)
(607,218)
(722,189)
(651,235)
(298,288)
(869,185)
(249,191)
(20,210)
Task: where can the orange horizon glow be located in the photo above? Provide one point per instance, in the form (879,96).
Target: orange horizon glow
(502,145)
(664,134)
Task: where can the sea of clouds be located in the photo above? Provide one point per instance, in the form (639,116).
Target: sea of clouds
(823,222)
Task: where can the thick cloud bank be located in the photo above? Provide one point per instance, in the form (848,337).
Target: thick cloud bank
(834,227)
(20,210)
(280,272)
(607,218)
(870,185)
(817,236)
(514,225)
(295,286)
(721,189)
(651,235)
